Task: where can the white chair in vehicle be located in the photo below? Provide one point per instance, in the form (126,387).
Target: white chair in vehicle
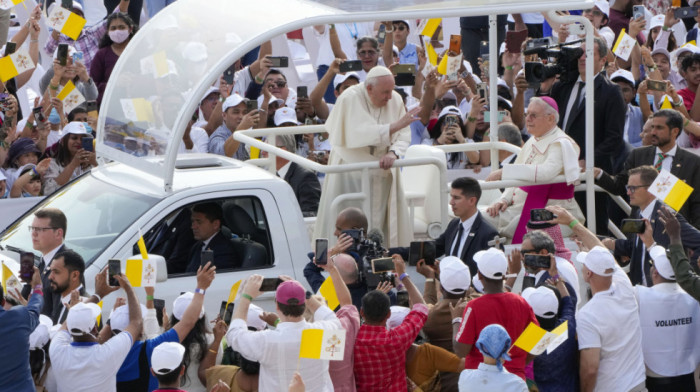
(421,186)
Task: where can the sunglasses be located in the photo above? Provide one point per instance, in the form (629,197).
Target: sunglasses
(399,27)
(279,83)
(594,12)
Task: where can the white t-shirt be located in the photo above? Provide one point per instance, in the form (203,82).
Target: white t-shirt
(610,322)
(348,34)
(88,367)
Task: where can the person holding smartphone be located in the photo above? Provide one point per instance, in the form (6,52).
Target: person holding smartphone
(72,159)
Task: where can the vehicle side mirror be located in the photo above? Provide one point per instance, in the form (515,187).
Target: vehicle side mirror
(161,267)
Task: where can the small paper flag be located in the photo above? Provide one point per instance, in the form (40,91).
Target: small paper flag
(15,64)
(453,64)
(142,246)
(141,273)
(327,290)
(624,45)
(671,190)
(7,4)
(536,340)
(442,67)
(431,54)
(666,103)
(234,292)
(137,109)
(70,96)
(99,316)
(427,27)
(322,344)
(6,275)
(66,22)
(156,65)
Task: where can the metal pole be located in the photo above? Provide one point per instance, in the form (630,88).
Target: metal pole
(493,87)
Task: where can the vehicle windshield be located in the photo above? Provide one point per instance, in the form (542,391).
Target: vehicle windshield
(97,213)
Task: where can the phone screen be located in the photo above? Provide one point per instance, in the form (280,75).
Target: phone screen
(251,105)
(115,268)
(67,4)
(540,215)
(537,261)
(456,44)
(429,252)
(87,143)
(158,305)
(322,251)
(62,54)
(414,252)
(381,34)
(633,226)
(383,264)
(352,65)
(207,257)
(270,284)
(302,92)
(228,314)
(26,264)
(484,48)
(222,310)
(280,62)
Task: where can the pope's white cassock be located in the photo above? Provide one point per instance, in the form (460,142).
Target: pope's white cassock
(541,159)
(359,132)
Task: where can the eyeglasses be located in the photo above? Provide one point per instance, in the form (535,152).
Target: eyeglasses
(633,188)
(594,12)
(39,229)
(279,83)
(364,53)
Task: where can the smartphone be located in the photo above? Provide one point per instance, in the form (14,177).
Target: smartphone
(514,40)
(302,92)
(251,104)
(10,47)
(280,61)
(381,34)
(405,79)
(322,251)
(228,314)
(633,226)
(540,215)
(656,85)
(456,44)
(222,310)
(356,234)
(501,114)
(62,54)
(115,268)
(270,284)
(537,42)
(352,65)
(78,57)
(638,12)
(91,107)
(87,142)
(158,305)
(228,75)
(577,29)
(685,12)
(207,257)
(537,261)
(67,4)
(382,264)
(4,104)
(421,250)
(26,266)
(39,114)
(404,69)
(483,90)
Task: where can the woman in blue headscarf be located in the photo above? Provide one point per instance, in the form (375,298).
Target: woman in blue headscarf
(494,344)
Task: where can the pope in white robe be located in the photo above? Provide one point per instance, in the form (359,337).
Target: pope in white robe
(369,123)
(548,153)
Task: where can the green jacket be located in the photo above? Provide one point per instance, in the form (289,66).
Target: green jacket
(685,276)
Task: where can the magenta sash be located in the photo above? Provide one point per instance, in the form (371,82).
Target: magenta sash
(537,197)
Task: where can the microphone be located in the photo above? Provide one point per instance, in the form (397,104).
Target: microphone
(376,236)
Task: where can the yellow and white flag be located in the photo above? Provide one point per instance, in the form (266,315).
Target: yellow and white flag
(70,96)
(66,22)
(137,109)
(327,290)
(427,27)
(7,4)
(322,344)
(624,45)
(141,273)
(156,65)
(142,246)
(670,189)
(15,64)
(536,340)
(9,280)
(234,292)
(431,54)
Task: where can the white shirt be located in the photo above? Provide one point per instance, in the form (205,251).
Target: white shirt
(49,256)
(610,322)
(572,98)
(88,368)
(282,172)
(487,378)
(278,352)
(467,225)
(667,163)
(646,214)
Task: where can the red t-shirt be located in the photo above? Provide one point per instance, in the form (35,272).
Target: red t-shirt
(507,309)
(688,98)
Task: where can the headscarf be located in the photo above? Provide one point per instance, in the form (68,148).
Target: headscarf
(494,342)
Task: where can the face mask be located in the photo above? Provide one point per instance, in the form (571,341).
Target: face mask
(119,36)
(88,127)
(54,118)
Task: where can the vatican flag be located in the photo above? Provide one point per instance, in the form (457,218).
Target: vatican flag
(141,273)
(15,64)
(322,344)
(7,4)
(137,109)
(624,45)
(670,189)
(536,340)
(66,22)
(70,96)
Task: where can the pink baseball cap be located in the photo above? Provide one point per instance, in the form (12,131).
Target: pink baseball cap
(551,102)
(288,290)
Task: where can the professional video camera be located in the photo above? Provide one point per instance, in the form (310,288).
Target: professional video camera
(561,60)
(368,248)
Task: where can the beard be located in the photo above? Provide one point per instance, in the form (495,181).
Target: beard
(58,288)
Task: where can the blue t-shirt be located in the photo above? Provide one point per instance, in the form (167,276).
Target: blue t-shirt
(130,368)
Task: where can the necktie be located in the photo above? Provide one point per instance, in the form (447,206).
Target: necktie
(455,248)
(42,265)
(574,107)
(660,161)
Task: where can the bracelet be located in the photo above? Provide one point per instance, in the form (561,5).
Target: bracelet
(457,320)
(149,298)
(33,41)
(277,322)
(40,287)
(246,296)
(511,276)
(471,119)
(508,67)
(213,351)
(429,280)
(573,223)
(52,87)
(36,173)
(29,125)
(199,291)
(687,121)
(508,287)
(259,80)
(98,297)
(402,276)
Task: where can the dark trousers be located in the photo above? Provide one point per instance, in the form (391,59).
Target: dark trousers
(684,383)
(533,30)
(134,10)
(471,38)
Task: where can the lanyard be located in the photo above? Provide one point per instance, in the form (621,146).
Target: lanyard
(354,25)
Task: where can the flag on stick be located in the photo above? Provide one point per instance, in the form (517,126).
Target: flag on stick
(536,340)
(15,64)
(66,22)
(322,344)
(327,290)
(670,189)
(70,96)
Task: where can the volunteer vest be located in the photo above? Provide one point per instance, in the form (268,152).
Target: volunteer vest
(670,322)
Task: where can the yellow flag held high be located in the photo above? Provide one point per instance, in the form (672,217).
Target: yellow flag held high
(431,54)
(66,22)
(234,292)
(15,64)
(442,67)
(322,344)
(142,246)
(141,273)
(536,340)
(624,45)
(427,27)
(8,4)
(670,189)
(6,275)
(99,316)
(70,96)
(327,290)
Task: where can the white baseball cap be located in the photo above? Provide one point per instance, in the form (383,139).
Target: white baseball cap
(454,275)
(210,91)
(76,128)
(167,357)
(286,115)
(599,260)
(450,110)
(119,318)
(339,78)
(181,303)
(253,319)
(661,51)
(657,21)
(81,318)
(40,336)
(603,6)
(624,74)
(543,301)
(492,263)
(661,262)
(478,286)
(398,313)
(232,100)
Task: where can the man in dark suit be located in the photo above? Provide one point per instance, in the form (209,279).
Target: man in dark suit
(65,275)
(304,182)
(173,239)
(206,228)
(608,119)
(667,124)
(637,247)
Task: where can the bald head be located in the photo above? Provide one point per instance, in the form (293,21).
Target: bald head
(347,267)
(350,218)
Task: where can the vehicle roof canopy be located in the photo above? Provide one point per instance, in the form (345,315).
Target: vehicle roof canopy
(158,81)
